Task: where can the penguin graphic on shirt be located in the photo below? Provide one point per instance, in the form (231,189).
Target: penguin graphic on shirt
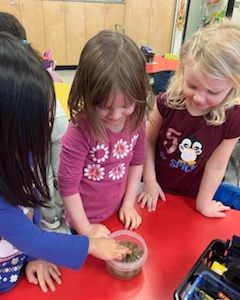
(190,148)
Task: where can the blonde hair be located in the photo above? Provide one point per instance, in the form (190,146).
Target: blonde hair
(216,50)
(109,61)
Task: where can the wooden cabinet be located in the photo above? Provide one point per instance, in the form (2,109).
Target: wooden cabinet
(33,22)
(29,13)
(137,20)
(101,16)
(64,26)
(113,15)
(84,20)
(12,7)
(150,23)
(161,25)
(75,30)
(54,22)
(94,16)
(70,24)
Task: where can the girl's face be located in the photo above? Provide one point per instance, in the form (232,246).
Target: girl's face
(115,112)
(203,93)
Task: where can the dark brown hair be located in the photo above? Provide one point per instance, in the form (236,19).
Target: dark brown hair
(10,24)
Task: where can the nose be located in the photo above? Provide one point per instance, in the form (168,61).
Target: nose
(198,97)
(115,114)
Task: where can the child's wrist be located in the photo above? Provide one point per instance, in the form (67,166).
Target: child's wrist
(128,203)
(91,247)
(149,179)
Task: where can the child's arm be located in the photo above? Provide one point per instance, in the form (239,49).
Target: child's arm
(128,214)
(151,190)
(213,174)
(43,273)
(75,211)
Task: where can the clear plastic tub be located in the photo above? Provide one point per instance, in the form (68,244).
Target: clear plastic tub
(132,264)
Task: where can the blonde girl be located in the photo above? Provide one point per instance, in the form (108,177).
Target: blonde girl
(195,124)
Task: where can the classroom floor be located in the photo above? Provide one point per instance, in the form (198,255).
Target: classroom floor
(66,75)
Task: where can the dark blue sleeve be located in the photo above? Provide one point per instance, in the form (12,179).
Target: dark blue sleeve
(61,249)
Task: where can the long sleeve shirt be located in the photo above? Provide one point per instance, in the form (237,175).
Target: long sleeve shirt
(22,240)
(98,170)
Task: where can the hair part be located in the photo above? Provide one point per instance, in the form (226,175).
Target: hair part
(216,50)
(27,104)
(110,61)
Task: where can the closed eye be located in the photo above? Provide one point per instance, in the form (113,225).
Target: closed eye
(214,92)
(191,86)
(103,107)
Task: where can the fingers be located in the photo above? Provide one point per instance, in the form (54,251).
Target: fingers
(47,277)
(224,207)
(215,209)
(152,204)
(220,206)
(140,196)
(55,273)
(143,199)
(44,274)
(42,281)
(150,201)
(30,274)
(220,215)
(162,195)
(122,251)
(131,222)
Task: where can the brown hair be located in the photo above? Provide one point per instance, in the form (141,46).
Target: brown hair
(109,61)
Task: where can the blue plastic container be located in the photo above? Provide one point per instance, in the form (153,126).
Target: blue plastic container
(208,286)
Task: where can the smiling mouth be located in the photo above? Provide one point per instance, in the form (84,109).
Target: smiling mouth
(116,121)
(199,105)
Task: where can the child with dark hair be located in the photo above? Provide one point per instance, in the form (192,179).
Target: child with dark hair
(51,215)
(27,108)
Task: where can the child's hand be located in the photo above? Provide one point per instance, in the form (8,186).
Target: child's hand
(129,217)
(213,209)
(107,249)
(42,273)
(96,231)
(149,196)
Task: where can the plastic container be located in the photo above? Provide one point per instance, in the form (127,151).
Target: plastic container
(209,286)
(202,276)
(132,264)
